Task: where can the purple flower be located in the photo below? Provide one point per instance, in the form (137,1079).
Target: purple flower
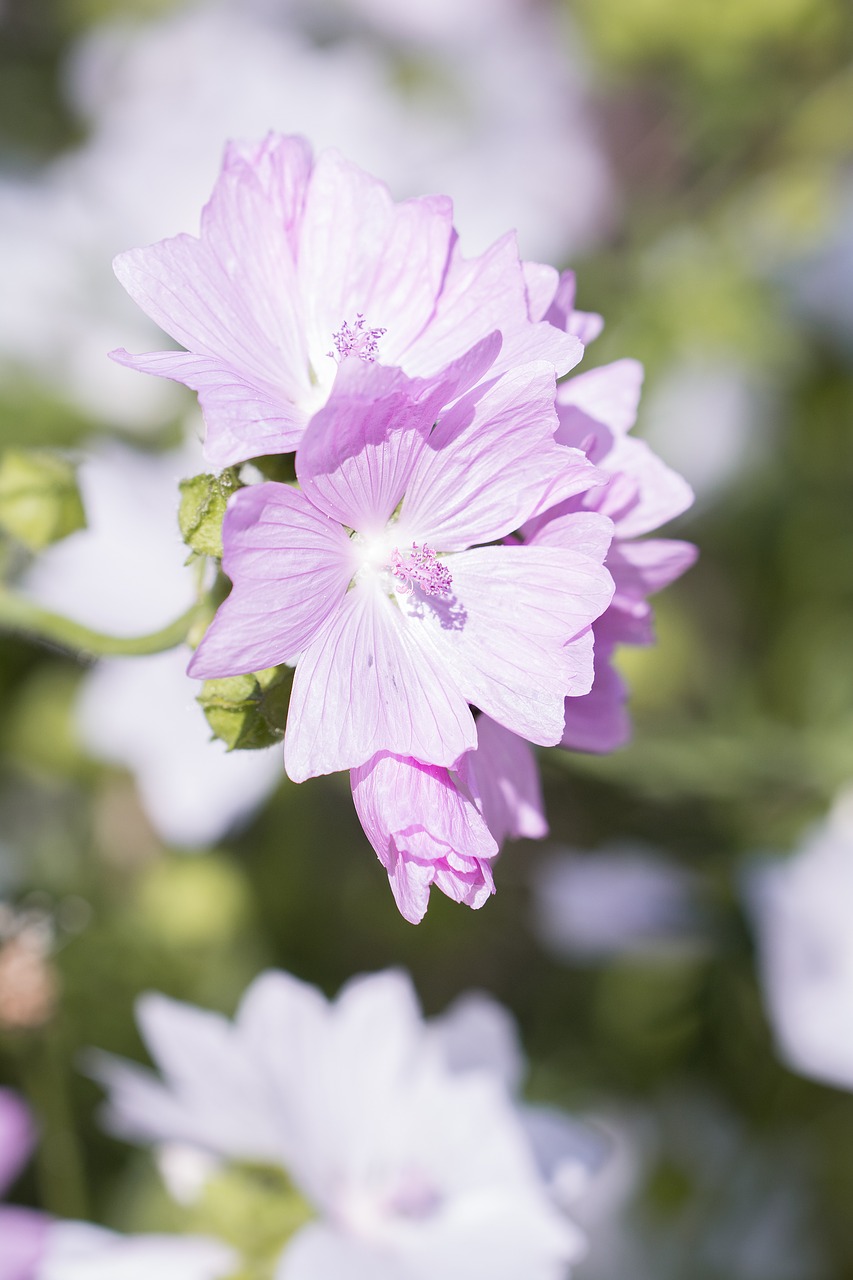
(432,826)
(305,266)
(374,577)
(22,1231)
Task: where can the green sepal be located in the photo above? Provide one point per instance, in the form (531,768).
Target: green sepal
(248,712)
(39,499)
(203,502)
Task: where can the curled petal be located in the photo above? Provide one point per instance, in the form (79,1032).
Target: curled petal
(426,831)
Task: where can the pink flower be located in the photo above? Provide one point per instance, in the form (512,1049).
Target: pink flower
(375,581)
(304,266)
(22,1231)
(596,410)
(432,826)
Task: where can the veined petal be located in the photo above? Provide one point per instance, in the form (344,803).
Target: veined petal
(359,451)
(504,777)
(655,493)
(541,283)
(515,634)
(425,829)
(485,293)
(360,253)
(607,397)
(243,421)
(491,463)
(232,293)
(290,566)
(370,683)
(641,568)
(599,722)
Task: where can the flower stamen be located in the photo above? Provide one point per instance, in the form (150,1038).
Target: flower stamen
(356,340)
(421,568)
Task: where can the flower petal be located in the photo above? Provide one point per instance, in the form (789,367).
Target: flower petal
(372,683)
(17,1136)
(491,463)
(360,253)
(290,566)
(242,420)
(231,295)
(504,777)
(425,830)
(504,637)
(598,722)
(481,294)
(358,452)
(605,397)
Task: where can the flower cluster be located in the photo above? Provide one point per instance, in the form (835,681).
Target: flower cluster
(457,560)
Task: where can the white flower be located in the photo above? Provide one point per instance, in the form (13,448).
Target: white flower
(78,1251)
(800,908)
(414,1159)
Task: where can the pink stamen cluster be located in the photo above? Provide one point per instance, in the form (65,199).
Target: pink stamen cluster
(357,341)
(421,568)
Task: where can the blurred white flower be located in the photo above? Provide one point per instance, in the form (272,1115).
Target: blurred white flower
(620,900)
(500,123)
(78,1251)
(125,574)
(411,1159)
(800,908)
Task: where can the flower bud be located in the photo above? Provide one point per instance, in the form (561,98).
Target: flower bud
(39,499)
(203,502)
(248,712)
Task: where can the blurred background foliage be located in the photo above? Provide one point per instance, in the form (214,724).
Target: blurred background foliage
(728,127)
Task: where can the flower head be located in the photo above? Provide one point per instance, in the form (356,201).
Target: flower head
(305,266)
(411,1162)
(376,580)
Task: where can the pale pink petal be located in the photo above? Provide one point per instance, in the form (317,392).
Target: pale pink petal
(584,531)
(504,634)
(242,421)
(23,1233)
(599,721)
(231,294)
(504,776)
(359,451)
(585,325)
(290,566)
(17,1136)
(372,683)
(641,568)
(362,254)
(541,283)
(644,492)
(482,294)
(491,463)
(609,395)
(425,830)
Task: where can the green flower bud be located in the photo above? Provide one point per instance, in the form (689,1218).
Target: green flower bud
(203,502)
(39,499)
(248,712)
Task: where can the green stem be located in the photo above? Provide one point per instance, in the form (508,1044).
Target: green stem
(17,614)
